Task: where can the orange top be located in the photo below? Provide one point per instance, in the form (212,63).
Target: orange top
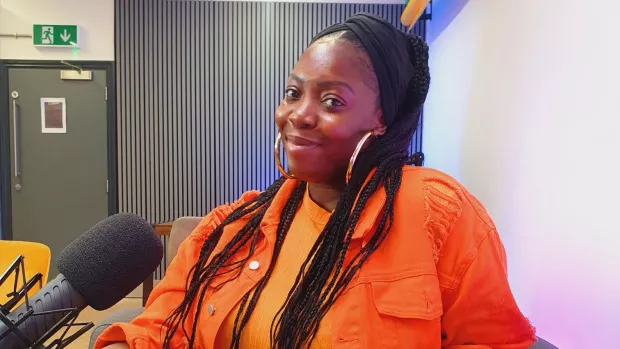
(437,281)
(305,229)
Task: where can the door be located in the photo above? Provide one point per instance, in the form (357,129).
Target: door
(58,156)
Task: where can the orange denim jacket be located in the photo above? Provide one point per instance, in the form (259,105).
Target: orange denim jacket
(437,281)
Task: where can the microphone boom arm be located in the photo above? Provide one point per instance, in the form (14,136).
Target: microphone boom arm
(67,321)
(28,326)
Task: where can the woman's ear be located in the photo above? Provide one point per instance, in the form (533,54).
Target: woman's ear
(380,128)
(380,131)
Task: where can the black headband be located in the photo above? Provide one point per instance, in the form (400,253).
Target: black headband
(388,49)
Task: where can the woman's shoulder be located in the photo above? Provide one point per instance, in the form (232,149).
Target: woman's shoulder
(415,175)
(432,184)
(219,214)
(446,204)
(425,182)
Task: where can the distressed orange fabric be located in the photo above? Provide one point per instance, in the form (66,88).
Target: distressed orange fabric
(437,281)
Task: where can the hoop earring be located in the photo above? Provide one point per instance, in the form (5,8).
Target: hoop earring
(276,153)
(360,144)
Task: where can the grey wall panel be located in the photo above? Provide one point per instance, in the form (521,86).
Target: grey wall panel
(198,83)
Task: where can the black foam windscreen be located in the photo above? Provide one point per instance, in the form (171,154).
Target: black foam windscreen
(111,259)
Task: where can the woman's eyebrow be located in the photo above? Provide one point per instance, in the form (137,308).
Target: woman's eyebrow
(335,83)
(302,81)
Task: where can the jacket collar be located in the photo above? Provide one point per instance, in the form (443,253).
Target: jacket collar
(367,221)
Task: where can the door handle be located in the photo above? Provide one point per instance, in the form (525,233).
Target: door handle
(16,137)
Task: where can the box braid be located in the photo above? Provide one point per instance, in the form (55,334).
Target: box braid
(323,276)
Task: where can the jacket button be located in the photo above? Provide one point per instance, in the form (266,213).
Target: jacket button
(211,309)
(254,265)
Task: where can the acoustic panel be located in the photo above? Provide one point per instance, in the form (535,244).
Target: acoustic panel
(198,84)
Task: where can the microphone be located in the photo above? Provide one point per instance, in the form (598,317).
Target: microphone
(98,269)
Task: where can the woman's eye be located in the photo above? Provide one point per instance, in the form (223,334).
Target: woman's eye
(291,94)
(333,102)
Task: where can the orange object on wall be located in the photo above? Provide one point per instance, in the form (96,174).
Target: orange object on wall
(413,11)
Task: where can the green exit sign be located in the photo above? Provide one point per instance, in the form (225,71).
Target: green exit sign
(55,35)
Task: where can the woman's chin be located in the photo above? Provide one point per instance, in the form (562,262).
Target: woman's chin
(306,172)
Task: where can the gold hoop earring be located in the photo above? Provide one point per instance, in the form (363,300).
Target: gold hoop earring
(360,144)
(276,153)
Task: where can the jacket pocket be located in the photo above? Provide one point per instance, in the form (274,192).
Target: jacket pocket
(409,310)
(409,297)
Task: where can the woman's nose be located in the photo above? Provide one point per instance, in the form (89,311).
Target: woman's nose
(304,115)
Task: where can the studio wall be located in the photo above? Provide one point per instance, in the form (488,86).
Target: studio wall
(523,109)
(197,85)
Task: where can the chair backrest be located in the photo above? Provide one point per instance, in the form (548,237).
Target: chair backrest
(542,344)
(181,228)
(37,259)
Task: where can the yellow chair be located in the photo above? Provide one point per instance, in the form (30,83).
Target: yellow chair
(37,259)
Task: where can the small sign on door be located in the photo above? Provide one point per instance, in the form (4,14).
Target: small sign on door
(53,115)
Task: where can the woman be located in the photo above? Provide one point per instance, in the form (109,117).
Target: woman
(351,248)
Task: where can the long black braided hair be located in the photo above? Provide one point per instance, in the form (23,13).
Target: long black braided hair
(324,275)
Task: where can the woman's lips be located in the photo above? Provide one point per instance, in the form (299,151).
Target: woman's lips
(297,143)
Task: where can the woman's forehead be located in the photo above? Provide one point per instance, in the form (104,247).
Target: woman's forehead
(330,60)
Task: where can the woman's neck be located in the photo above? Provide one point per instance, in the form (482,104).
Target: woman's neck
(325,196)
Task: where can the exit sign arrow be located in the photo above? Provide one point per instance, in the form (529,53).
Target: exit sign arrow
(55,35)
(65,36)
